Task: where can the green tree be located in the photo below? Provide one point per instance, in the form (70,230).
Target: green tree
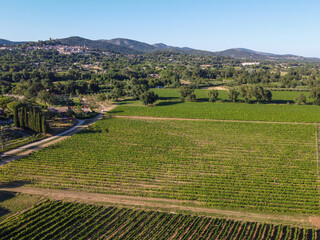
(93,86)
(148,98)
(138,89)
(233,95)
(191,98)
(101,97)
(43,125)
(44,96)
(13,105)
(25,117)
(16,117)
(187,92)
(21,118)
(246,92)
(301,99)
(267,95)
(213,95)
(315,94)
(116,93)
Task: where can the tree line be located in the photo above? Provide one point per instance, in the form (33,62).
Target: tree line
(249,93)
(32,119)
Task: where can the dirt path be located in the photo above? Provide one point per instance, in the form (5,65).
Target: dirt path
(216,88)
(207,120)
(166,205)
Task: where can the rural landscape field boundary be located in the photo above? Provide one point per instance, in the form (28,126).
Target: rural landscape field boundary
(208,120)
(168,205)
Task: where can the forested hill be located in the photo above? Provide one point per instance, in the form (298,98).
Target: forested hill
(128,46)
(147,48)
(244,53)
(104,45)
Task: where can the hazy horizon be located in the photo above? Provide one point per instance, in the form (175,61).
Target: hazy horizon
(286,27)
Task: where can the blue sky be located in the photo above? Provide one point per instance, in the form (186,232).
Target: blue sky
(280,26)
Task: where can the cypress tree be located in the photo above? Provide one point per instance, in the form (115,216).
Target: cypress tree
(39,122)
(20,116)
(43,125)
(34,121)
(30,120)
(25,117)
(16,117)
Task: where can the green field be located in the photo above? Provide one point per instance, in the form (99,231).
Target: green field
(249,166)
(225,111)
(63,220)
(170,105)
(277,96)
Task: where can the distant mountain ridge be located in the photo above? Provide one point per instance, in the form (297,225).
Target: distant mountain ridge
(7,42)
(128,46)
(244,53)
(104,45)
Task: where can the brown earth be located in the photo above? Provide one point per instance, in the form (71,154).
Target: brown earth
(315,221)
(217,88)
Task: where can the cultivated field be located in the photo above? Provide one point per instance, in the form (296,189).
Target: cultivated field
(226,111)
(277,96)
(170,105)
(256,172)
(248,166)
(62,220)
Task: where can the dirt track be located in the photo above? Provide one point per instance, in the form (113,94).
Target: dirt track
(207,120)
(166,205)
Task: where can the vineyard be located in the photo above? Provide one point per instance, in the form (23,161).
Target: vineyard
(171,106)
(277,96)
(63,220)
(225,111)
(249,166)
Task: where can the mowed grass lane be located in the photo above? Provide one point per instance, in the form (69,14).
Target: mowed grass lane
(250,166)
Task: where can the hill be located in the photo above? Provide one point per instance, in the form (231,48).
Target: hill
(243,53)
(7,42)
(104,45)
(131,44)
(128,46)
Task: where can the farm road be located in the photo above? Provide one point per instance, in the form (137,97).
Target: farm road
(165,205)
(207,120)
